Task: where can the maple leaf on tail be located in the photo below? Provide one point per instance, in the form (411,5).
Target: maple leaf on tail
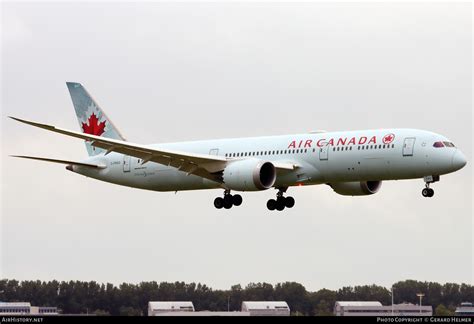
(93,126)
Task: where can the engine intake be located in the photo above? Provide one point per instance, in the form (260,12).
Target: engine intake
(357,188)
(249,175)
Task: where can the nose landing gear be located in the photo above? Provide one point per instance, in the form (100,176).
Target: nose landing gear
(427,191)
(228,201)
(281,202)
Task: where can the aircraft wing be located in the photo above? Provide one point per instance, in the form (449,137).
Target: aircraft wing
(202,165)
(100,166)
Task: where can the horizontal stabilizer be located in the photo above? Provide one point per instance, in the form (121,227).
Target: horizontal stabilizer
(100,166)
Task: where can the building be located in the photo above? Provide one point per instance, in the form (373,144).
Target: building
(266,308)
(465,309)
(24,308)
(375,308)
(249,308)
(156,308)
(203,313)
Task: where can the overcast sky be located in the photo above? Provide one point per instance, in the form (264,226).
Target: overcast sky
(169,72)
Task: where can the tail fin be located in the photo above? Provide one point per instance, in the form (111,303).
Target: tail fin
(92,120)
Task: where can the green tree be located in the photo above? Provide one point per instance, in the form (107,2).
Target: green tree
(130,311)
(295,295)
(441,310)
(323,308)
(101,312)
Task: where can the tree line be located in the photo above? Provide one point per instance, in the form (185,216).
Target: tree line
(80,297)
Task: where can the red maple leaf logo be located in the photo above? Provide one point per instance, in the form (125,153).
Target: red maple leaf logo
(387,139)
(93,126)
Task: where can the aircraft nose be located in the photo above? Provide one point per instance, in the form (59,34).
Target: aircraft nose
(459,160)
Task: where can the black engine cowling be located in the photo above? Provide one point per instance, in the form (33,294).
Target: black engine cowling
(356,188)
(249,175)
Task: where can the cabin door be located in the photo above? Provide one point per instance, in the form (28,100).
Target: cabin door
(126,163)
(323,153)
(408,146)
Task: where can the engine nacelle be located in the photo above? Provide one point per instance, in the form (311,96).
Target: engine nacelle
(357,188)
(249,175)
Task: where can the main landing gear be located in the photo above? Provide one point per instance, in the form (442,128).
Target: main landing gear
(427,191)
(228,201)
(281,202)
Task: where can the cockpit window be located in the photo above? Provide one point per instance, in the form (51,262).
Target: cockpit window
(449,144)
(443,144)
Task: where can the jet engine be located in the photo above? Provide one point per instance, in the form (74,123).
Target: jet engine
(249,175)
(356,188)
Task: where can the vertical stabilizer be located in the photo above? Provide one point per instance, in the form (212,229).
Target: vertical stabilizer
(92,119)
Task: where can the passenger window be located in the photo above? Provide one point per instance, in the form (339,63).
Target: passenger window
(393,145)
(314,150)
(293,151)
(350,148)
(358,147)
(367,147)
(333,148)
(362,147)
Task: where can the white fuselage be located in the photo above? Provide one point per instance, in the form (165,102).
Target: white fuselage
(328,157)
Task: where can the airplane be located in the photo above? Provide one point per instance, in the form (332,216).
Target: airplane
(352,163)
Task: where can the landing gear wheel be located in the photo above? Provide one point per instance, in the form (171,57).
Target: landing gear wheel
(280,203)
(289,202)
(218,202)
(237,200)
(271,204)
(430,192)
(425,192)
(228,201)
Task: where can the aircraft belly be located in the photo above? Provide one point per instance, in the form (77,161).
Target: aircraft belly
(150,176)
